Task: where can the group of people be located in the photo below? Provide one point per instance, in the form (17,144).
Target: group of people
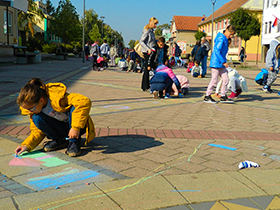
(64,117)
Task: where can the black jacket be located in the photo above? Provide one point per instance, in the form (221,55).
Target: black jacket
(198,52)
(153,58)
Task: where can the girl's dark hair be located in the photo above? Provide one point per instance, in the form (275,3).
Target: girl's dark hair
(32,92)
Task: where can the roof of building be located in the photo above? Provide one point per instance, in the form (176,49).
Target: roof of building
(225,9)
(187,22)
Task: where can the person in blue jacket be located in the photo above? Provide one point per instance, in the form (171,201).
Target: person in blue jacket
(218,64)
(261,77)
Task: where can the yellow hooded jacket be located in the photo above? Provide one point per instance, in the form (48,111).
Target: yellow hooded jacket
(61,101)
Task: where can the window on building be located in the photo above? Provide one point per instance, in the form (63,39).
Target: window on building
(269,27)
(216,26)
(267,3)
(10,20)
(265,28)
(278,25)
(222,24)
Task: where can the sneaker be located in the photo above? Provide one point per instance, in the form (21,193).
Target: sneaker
(74,148)
(209,99)
(167,97)
(155,94)
(265,88)
(269,90)
(224,99)
(238,92)
(55,145)
(233,95)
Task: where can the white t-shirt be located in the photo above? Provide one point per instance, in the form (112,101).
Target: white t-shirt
(48,110)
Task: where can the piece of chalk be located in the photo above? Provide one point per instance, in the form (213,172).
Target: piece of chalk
(16,155)
(57,188)
(87,183)
(4,180)
(263,154)
(4,175)
(67,138)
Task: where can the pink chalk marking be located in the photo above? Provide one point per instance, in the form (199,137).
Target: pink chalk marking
(41,158)
(25,162)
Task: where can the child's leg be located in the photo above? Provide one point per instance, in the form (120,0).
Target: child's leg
(55,129)
(272,76)
(74,145)
(224,75)
(213,82)
(168,85)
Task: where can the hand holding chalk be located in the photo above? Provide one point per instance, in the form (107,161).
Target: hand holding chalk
(20,149)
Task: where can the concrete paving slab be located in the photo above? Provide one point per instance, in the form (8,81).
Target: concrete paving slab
(182,207)
(245,202)
(146,193)
(262,201)
(208,206)
(267,180)
(60,176)
(75,197)
(200,187)
(274,204)
(7,203)
(7,147)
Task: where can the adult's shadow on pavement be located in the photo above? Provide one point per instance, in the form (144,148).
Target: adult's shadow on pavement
(121,144)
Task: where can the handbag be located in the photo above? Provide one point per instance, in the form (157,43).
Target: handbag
(137,49)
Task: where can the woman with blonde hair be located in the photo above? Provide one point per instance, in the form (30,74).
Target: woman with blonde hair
(147,42)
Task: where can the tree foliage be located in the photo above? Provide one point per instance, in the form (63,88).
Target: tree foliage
(199,34)
(50,8)
(66,23)
(94,34)
(158,30)
(246,24)
(28,20)
(131,44)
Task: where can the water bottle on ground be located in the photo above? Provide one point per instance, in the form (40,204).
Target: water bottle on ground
(247,164)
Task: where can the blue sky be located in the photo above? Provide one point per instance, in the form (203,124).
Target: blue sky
(130,16)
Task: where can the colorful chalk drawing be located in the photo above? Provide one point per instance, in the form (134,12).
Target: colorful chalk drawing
(36,159)
(116,107)
(66,176)
(274,157)
(222,147)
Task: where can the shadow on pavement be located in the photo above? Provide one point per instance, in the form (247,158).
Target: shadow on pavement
(121,144)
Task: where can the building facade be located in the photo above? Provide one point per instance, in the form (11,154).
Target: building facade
(183,29)
(270,23)
(221,20)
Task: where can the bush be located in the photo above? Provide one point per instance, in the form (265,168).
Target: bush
(35,43)
(68,47)
(49,48)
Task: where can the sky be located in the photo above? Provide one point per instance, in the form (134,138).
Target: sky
(130,16)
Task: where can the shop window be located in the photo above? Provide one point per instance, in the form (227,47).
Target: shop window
(10,20)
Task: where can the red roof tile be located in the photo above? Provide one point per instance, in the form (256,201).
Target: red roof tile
(225,9)
(187,22)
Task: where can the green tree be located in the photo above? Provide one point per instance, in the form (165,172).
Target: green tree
(50,8)
(66,23)
(199,34)
(131,44)
(28,20)
(246,24)
(158,30)
(94,34)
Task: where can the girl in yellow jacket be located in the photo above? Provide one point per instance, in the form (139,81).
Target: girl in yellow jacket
(57,114)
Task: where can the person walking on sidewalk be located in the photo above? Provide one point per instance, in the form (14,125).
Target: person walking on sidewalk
(218,64)
(271,64)
(94,52)
(147,42)
(113,54)
(57,114)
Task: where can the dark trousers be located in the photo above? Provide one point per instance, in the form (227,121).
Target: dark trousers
(94,61)
(53,128)
(145,79)
(166,85)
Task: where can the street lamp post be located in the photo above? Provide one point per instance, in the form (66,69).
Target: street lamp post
(102,19)
(212,41)
(83,33)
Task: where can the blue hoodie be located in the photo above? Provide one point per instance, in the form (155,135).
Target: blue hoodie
(220,50)
(271,60)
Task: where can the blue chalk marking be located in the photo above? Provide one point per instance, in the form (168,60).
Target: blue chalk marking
(185,190)
(4,175)
(222,147)
(4,180)
(59,181)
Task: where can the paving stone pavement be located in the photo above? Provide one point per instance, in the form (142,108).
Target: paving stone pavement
(148,154)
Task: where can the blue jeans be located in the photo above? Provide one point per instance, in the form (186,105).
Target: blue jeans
(195,74)
(53,128)
(204,65)
(166,85)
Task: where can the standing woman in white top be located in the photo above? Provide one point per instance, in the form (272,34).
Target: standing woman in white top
(147,42)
